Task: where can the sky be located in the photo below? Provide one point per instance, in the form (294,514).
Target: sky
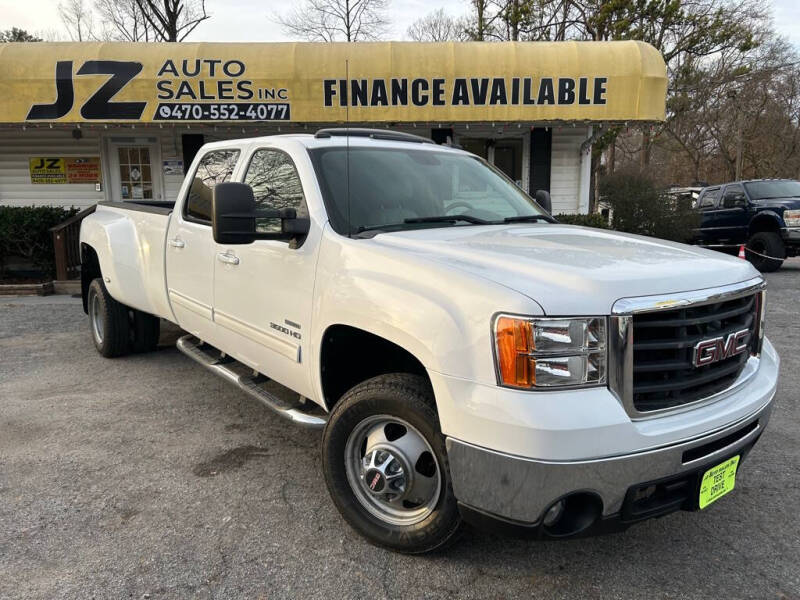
(232,20)
(251,20)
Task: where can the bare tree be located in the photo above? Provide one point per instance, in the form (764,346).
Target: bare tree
(481,20)
(78,20)
(172,20)
(125,20)
(50,35)
(438,26)
(332,20)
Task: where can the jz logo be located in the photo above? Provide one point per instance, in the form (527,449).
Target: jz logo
(710,351)
(47,163)
(99,105)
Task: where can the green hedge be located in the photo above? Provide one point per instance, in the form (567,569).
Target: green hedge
(638,206)
(593,220)
(24,233)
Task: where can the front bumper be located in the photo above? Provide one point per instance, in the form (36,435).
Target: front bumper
(791,238)
(497,485)
(653,498)
(520,490)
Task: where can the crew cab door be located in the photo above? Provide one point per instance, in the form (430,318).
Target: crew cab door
(191,249)
(263,290)
(707,204)
(731,215)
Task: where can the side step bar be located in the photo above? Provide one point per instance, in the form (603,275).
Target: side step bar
(216,362)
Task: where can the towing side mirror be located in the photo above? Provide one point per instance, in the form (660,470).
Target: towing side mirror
(236,220)
(542,198)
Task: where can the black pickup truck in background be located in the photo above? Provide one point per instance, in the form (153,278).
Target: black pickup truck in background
(762,214)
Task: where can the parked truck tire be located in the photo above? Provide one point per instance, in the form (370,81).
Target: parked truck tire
(145,329)
(109,321)
(765,244)
(385,465)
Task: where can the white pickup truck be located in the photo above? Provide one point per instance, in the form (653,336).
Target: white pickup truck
(469,358)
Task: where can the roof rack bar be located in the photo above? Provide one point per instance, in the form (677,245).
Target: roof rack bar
(376,134)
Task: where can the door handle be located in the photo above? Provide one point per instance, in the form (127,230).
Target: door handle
(228,259)
(177,243)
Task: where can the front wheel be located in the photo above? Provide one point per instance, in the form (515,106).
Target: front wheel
(386,466)
(765,250)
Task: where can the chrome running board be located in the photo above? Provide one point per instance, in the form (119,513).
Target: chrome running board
(305,414)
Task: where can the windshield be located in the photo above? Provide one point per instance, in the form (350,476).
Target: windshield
(763,190)
(389,186)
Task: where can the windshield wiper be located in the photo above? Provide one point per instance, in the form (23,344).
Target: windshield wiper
(423,220)
(454,219)
(529,219)
(448,219)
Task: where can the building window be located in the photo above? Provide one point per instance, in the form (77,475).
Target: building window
(135,175)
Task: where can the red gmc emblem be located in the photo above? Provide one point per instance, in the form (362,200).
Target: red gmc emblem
(710,351)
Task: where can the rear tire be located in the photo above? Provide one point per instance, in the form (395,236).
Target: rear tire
(146,330)
(766,243)
(108,321)
(385,432)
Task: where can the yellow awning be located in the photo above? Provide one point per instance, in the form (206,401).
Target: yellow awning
(381,82)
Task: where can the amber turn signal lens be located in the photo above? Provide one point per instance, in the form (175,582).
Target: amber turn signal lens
(514,343)
(550,352)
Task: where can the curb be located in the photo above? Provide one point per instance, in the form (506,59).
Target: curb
(27,289)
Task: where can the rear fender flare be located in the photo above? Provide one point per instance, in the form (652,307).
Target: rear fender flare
(113,238)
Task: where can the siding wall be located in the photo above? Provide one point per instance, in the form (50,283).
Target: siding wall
(565,169)
(18,146)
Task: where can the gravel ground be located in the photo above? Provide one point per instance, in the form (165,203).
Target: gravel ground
(147,477)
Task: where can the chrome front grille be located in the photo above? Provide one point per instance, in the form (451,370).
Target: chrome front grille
(664,342)
(653,344)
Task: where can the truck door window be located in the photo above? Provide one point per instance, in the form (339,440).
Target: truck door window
(276,185)
(734,197)
(215,167)
(709,198)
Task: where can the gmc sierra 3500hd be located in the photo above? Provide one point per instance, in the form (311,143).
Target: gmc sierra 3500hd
(468,357)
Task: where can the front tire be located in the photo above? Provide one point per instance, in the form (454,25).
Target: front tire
(108,321)
(385,465)
(766,244)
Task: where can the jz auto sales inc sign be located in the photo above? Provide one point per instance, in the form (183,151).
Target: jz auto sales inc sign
(323,83)
(50,169)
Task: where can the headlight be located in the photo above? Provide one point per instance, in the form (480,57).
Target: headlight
(792,218)
(550,352)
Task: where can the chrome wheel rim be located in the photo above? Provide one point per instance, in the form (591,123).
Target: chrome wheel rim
(96,318)
(392,470)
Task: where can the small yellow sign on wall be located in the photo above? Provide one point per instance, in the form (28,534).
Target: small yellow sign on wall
(83,169)
(47,170)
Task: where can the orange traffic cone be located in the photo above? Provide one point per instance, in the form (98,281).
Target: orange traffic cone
(741,252)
